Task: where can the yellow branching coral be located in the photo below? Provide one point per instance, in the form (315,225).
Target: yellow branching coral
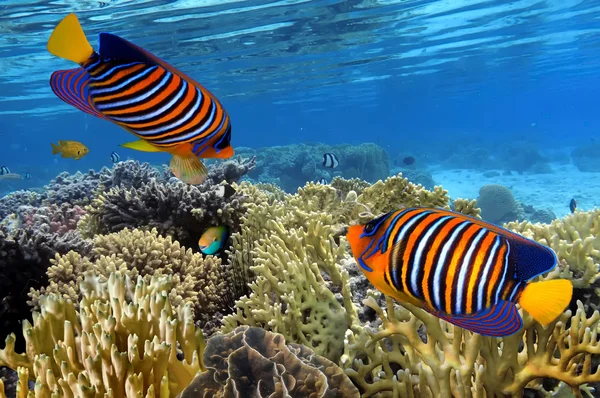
(126,340)
(575,239)
(290,295)
(401,359)
(200,281)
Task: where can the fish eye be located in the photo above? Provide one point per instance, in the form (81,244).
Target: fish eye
(369,227)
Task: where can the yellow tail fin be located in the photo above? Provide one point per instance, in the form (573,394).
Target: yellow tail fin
(69,42)
(546,300)
(55,149)
(188,169)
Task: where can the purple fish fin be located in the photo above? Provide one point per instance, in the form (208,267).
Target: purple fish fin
(72,86)
(502,319)
(115,47)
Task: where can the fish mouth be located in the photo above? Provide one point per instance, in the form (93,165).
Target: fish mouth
(202,247)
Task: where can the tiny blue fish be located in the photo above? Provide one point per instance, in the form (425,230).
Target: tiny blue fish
(4,170)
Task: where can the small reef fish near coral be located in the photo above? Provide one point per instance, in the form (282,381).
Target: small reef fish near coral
(4,170)
(125,84)
(70,149)
(213,240)
(461,269)
(573,205)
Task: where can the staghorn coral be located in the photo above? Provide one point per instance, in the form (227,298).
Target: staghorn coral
(251,362)
(467,207)
(199,281)
(125,340)
(576,241)
(344,186)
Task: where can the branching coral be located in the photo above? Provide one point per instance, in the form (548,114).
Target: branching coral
(125,340)
(251,362)
(199,281)
(396,359)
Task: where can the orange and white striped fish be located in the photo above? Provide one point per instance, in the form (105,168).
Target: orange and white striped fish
(461,269)
(127,85)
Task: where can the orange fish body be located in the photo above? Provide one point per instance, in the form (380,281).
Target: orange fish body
(461,269)
(125,84)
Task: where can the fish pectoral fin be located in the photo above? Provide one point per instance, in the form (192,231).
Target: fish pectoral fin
(141,145)
(55,148)
(546,300)
(188,169)
(68,41)
(502,319)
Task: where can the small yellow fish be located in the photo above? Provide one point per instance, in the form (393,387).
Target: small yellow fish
(70,149)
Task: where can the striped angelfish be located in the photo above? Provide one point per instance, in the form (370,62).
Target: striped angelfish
(461,269)
(330,160)
(125,84)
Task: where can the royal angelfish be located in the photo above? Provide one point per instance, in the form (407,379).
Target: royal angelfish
(461,269)
(125,84)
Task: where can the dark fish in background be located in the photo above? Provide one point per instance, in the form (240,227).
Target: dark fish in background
(322,181)
(27,176)
(167,110)
(461,269)
(408,160)
(4,170)
(330,160)
(573,205)
(115,157)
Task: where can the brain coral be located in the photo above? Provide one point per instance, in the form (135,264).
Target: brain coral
(496,203)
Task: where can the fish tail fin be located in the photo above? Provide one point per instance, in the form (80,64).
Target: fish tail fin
(188,169)
(55,149)
(68,41)
(546,300)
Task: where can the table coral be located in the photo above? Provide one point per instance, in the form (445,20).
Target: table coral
(252,362)
(200,281)
(125,340)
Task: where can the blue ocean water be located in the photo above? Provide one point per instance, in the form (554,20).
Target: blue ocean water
(420,77)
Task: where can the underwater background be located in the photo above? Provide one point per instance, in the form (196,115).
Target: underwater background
(484,107)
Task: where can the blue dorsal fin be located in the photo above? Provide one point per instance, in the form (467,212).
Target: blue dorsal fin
(72,86)
(530,258)
(502,319)
(115,47)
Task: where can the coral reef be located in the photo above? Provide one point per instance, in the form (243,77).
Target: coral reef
(292,166)
(288,274)
(125,340)
(585,157)
(199,281)
(252,362)
(497,204)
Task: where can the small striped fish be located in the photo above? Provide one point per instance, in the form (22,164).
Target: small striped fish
(461,269)
(114,157)
(4,170)
(125,84)
(330,160)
